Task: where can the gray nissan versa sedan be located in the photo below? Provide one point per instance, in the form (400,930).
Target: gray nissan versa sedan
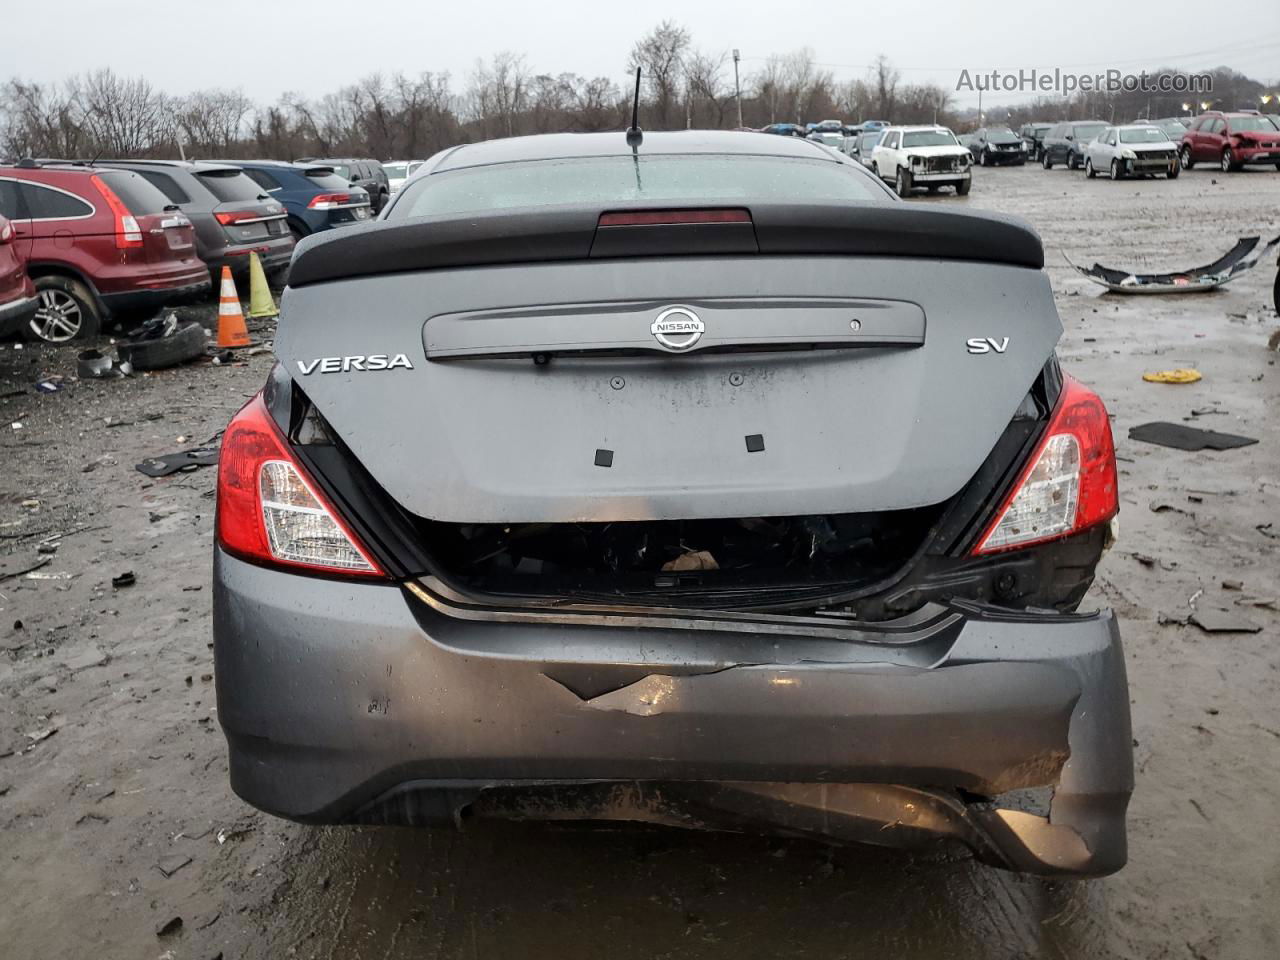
(690,478)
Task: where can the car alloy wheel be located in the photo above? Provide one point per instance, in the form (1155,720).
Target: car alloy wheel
(1228,161)
(1088,168)
(1045,161)
(58,318)
(1186,157)
(1072,162)
(1115,169)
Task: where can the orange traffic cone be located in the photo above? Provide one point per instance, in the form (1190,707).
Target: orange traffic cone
(231,328)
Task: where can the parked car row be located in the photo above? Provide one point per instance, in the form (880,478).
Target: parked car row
(97,243)
(113,241)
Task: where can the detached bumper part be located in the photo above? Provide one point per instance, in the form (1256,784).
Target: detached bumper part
(360,703)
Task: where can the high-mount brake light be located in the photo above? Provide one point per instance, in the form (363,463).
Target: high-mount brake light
(269,512)
(1069,484)
(128,233)
(641,218)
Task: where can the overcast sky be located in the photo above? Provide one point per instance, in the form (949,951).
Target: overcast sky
(267,47)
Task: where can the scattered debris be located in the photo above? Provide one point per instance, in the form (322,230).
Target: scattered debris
(1163,506)
(49,385)
(1232,584)
(50,575)
(186,461)
(1223,621)
(1266,531)
(126,579)
(1182,437)
(171,865)
(96,365)
(7,574)
(166,928)
(161,343)
(1246,252)
(1180,375)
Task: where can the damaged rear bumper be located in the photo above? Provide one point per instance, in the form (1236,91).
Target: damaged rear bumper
(367,703)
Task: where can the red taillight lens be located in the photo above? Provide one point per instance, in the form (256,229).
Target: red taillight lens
(269,511)
(327,201)
(229,217)
(640,218)
(1069,484)
(128,233)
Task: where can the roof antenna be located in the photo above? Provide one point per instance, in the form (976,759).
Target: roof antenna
(635,136)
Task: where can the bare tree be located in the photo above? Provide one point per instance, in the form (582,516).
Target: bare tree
(660,56)
(708,92)
(884,82)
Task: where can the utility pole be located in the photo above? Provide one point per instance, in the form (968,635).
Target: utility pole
(737,86)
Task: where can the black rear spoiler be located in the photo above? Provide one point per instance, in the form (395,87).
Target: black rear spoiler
(547,234)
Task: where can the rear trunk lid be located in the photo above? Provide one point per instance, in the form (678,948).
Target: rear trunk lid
(247,215)
(540,370)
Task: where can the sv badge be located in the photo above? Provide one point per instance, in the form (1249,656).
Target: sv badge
(987,344)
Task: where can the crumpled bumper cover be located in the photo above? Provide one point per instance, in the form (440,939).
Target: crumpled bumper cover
(345,702)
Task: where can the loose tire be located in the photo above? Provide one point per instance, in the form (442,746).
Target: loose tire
(904,183)
(1187,162)
(962,188)
(67,311)
(1088,168)
(186,343)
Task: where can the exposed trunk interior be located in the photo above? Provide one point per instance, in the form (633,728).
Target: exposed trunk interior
(751,561)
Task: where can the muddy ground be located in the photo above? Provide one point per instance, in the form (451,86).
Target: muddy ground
(116,817)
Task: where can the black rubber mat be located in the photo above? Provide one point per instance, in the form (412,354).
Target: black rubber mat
(187,460)
(1182,437)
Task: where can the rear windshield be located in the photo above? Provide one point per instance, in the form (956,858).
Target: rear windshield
(323,178)
(229,185)
(618,181)
(929,138)
(343,170)
(1143,135)
(141,197)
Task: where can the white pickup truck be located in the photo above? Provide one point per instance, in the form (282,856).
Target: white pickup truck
(924,156)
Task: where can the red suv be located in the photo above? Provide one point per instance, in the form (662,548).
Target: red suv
(17,293)
(101,245)
(1231,140)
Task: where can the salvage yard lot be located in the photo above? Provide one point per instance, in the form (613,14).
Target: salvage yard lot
(116,817)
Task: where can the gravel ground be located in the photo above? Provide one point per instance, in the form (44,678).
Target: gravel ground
(116,818)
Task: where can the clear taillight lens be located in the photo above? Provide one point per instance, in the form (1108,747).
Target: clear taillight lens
(1045,505)
(299,528)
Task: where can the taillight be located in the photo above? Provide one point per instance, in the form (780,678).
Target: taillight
(229,217)
(268,510)
(328,201)
(128,233)
(1069,484)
